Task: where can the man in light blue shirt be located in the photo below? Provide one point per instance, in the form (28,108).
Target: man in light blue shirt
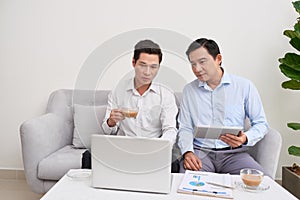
(217,98)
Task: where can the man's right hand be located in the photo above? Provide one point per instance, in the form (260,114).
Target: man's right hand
(115,116)
(191,161)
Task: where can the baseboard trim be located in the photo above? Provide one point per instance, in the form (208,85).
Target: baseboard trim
(12,174)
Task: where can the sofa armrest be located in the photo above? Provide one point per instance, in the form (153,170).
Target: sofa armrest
(40,137)
(266,152)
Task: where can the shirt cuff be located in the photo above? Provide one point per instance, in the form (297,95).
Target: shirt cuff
(170,135)
(107,129)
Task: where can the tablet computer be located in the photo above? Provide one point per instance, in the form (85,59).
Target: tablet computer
(213,132)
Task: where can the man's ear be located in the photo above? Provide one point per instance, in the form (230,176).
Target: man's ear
(219,59)
(133,62)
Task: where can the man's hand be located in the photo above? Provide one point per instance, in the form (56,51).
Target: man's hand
(191,162)
(115,116)
(233,140)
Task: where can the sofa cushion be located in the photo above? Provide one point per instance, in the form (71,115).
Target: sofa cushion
(57,164)
(87,121)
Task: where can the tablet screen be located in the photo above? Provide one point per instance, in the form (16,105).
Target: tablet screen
(211,132)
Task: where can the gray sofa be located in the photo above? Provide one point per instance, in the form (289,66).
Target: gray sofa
(47,147)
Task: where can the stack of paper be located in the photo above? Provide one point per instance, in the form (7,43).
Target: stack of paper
(207,184)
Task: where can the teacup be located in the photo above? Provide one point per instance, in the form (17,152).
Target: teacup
(130,112)
(251,178)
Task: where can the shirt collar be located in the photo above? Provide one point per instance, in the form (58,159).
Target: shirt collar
(224,80)
(154,87)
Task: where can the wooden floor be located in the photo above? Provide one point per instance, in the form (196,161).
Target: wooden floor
(11,189)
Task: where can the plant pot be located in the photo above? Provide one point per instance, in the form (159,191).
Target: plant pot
(291,181)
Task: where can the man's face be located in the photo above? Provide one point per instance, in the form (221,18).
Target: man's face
(204,66)
(146,68)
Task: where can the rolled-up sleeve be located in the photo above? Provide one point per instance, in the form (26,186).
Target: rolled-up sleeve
(109,130)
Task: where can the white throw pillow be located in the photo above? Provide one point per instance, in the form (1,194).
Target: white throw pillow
(87,121)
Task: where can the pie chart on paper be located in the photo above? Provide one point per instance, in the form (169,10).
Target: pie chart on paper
(196,183)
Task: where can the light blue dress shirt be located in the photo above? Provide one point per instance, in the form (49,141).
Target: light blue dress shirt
(229,104)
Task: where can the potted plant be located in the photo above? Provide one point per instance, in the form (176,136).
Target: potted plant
(290,67)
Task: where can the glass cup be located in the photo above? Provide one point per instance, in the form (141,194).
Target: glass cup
(251,178)
(130,112)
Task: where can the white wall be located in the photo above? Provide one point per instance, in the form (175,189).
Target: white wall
(43,45)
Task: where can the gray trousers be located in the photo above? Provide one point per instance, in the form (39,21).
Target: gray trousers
(226,161)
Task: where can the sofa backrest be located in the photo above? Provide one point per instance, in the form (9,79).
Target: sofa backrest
(61,101)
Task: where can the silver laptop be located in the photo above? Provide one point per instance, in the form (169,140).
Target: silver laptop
(130,163)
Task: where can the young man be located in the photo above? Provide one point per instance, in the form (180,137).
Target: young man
(156,104)
(217,98)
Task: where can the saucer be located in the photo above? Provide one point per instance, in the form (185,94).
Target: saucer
(79,174)
(260,188)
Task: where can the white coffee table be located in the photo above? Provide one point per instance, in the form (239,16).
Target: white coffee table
(68,188)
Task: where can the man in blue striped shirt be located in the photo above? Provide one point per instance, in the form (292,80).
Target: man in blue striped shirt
(217,98)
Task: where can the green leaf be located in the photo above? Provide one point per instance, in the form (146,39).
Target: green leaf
(292,60)
(289,72)
(294,125)
(297,6)
(297,27)
(291,84)
(291,33)
(293,150)
(295,42)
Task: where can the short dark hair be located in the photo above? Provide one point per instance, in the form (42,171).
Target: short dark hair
(147,46)
(210,45)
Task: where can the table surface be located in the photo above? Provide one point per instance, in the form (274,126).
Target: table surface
(80,189)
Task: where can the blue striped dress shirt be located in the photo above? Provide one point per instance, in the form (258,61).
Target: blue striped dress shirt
(229,104)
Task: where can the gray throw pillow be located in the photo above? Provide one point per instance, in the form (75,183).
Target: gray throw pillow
(87,121)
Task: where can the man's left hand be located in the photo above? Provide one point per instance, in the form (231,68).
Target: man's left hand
(233,140)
